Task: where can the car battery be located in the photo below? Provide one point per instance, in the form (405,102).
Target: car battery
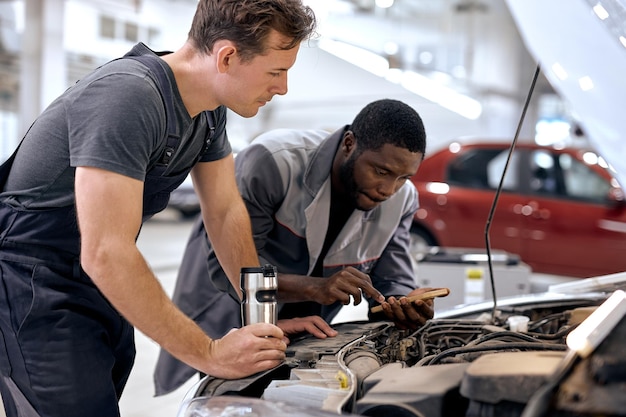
(466,273)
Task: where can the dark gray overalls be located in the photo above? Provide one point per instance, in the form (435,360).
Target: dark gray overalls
(64,350)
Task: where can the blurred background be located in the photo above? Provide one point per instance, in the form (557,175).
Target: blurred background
(461,63)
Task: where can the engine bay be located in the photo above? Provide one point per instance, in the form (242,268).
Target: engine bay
(468,364)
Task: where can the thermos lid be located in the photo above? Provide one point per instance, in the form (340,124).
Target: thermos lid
(265,270)
(251,269)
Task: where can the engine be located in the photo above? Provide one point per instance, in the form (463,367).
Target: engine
(471,366)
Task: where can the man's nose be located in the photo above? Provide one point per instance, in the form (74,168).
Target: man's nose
(281,85)
(389,186)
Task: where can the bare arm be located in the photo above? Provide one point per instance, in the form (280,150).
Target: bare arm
(109,207)
(338,287)
(225,216)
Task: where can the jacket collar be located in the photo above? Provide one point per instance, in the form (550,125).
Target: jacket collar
(320,165)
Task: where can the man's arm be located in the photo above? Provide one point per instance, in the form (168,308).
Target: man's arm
(338,287)
(109,208)
(225,216)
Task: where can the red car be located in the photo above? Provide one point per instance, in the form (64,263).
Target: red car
(560,209)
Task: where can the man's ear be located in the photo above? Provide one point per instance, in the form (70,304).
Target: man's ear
(225,54)
(349,142)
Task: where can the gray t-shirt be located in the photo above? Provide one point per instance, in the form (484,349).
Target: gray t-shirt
(112,119)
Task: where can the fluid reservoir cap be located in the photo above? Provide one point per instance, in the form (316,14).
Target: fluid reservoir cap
(306,355)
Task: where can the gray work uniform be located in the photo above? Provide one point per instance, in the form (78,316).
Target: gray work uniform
(284,178)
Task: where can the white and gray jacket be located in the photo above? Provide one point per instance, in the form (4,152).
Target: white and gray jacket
(284,178)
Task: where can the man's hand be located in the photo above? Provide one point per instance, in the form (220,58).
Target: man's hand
(343,284)
(246,351)
(406,314)
(314,325)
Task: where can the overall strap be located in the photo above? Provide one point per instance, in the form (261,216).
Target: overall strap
(211,122)
(173,137)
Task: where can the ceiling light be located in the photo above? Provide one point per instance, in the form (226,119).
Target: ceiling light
(600,11)
(384,4)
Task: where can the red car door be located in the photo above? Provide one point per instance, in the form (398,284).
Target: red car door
(462,213)
(570,227)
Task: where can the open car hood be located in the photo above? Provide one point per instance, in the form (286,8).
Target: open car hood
(581,47)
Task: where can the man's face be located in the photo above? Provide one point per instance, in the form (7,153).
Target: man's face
(373,176)
(253,83)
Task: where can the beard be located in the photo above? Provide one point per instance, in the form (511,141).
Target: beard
(350,189)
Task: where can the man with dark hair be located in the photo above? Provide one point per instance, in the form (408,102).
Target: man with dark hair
(332,213)
(100,160)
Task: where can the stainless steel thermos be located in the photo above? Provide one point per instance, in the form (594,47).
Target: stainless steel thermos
(259,286)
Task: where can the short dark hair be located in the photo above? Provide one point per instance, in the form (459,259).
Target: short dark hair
(389,121)
(248,24)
